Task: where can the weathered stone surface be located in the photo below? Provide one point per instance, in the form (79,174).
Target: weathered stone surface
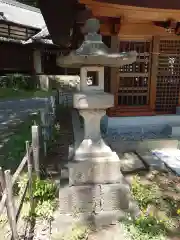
(95,172)
(115,197)
(176,131)
(130,162)
(65,200)
(151,160)
(85,198)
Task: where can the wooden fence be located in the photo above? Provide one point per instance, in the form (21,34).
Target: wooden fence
(41,134)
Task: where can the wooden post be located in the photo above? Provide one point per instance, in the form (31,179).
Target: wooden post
(10,205)
(44,130)
(114,71)
(36,148)
(2,180)
(29,164)
(53,105)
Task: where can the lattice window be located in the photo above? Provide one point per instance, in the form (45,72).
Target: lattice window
(168,76)
(134,78)
(107,70)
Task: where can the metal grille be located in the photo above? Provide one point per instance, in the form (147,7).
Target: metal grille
(168,82)
(133,88)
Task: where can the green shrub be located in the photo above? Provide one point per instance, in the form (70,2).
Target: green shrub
(18,81)
(145,227)
(45,209)
(144,194)
(76,233)
(44,194)
(43,190)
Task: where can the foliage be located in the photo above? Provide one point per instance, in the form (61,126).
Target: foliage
(145,227)
(77,233)
(178,212)
(54,137)
(44,190)
(13,149)
(144,194)
(18,81)
(44,194)
(10,94)
(45,209)
(153,223)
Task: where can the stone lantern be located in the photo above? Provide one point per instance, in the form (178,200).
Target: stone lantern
(96,185)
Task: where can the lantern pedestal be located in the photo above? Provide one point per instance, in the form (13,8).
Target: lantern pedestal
(96,185)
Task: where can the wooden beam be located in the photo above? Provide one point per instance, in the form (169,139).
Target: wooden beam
(114,71)
(160,4)
(178,29)
(59,17)
(131,12)
(130,30)
(154,69)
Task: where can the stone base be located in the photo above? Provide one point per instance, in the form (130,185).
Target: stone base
(97,201)
(63,223)
(95,170)
(96,186)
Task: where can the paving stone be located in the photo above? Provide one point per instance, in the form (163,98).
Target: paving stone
(109,233)
(171,157)
(130,162)
(151,160)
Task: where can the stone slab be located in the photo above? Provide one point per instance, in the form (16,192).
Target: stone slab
(151,160)
(130,162)
(63,223)
(113,232)
(65,200)
(115,197)
(175,131)
(171,157)
(85,198)
(94,172)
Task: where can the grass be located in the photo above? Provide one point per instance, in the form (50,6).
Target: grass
(13,150)
(158,197)
(10,93)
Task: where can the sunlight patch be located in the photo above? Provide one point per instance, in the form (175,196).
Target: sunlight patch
(171,157)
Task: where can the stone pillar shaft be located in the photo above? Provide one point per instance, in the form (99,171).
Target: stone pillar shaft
(92,120)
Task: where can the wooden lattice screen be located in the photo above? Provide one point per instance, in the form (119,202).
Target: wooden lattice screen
(168,76)
(107,70)
(16,32)
(134,80)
